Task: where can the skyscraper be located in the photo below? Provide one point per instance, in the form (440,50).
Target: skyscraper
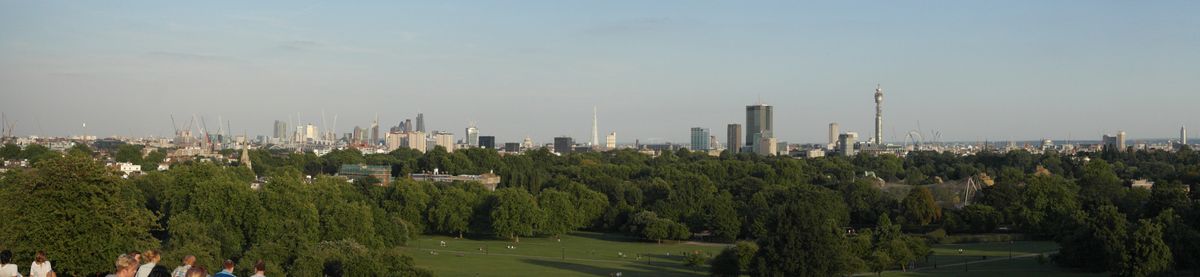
(610,141)
(759,122)
(374,131)
(833,135)
(699,139)
(878,139)
(1182,135)
(1117,142)
(595,130)
(472,135)
(420,122)
(734,138)
(280,130)
(846,143)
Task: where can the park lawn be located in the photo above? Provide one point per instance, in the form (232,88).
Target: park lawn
(586,254)
(997,262)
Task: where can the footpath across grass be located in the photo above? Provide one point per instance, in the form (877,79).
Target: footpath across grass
(577,254)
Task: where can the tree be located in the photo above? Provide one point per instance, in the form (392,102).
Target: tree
(515,213)
(75,209)
(128,153)
(10,151)
(733,261)
(1148,254)
(450,211)
(806,237)
(561,215)
(1097,243)
(920,208)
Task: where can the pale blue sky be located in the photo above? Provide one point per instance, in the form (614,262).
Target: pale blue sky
(972,70)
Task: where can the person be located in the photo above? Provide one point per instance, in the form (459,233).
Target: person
(228,272)
(125,266)
(7,268)
(197,271)
(40,266)
(260,269)
(182,270)
(152,258)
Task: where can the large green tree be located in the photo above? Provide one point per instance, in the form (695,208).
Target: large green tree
(515,213)
(77,210)
(806,237)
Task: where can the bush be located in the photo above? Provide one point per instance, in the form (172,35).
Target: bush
(696,259)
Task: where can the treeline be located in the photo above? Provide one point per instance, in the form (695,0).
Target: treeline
(815,217)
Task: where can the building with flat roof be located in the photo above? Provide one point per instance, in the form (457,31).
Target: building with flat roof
(383,173)
(733,134)
(700,139)
(563,145)
(487,180)
(488,142)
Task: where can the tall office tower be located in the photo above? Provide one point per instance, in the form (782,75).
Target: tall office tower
(595,130)
(393,140)
(1182,135)
(563,145)
(408,127)
(846,143)
(878,139)
(488,142)
(1121,141)
(310,131)
(472,135)
(420,122)
(445,140)
(733,138)
(280,130)
(374,131)
(611,141)
(833,135)
(713,143)
(699,139)
(759,122)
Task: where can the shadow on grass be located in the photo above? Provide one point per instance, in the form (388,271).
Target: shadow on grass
(609,237)
(628,269)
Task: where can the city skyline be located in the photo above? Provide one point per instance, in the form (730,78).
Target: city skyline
(971,71)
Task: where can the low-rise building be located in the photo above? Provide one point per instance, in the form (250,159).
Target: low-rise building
(360,171)
(488,180)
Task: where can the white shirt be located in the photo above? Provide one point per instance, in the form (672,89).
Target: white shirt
(144,270)
(9,270)
(181,271)
(36,270)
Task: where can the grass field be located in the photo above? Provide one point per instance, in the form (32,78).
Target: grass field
(597,254)
(586,254)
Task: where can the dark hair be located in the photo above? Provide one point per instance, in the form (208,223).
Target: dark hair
(260,266)
(5,257)
(228,263)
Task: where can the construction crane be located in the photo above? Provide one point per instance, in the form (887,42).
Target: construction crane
(8,126)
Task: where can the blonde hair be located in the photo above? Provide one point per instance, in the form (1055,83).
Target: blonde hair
(151,255)
(125,261)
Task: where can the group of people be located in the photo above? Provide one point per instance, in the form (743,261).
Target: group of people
(130,265)
(39,268)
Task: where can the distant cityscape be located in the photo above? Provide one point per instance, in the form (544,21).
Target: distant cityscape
(194,138)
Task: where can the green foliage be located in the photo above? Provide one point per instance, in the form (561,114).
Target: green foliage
(733,261)
(977,218)
(1098,241)
(696,259)
(76,210)
(1148,254)
(806,237)
(920,208)
(10,151)
(450,211)
(347,258)
(515,213)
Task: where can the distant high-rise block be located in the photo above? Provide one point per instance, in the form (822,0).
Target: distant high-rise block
(833,135)
(878,138)
(472,136)
(512,147)
(846,143)
(1182,135)
(280,130)
(420,122)
(563,145)
(488,142)
(766,146)
(734,138)
(1115,142)
(445,140)
(611,141)
(699,139)
(759,123)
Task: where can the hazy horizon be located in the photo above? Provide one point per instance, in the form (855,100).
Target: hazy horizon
(973,71)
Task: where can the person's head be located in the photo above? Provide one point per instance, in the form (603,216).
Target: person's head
(260,267)
(137,256)
(197,271)
(40,257)
(152,256)
(189,260)
(229,265)
(5,257)
(125,265)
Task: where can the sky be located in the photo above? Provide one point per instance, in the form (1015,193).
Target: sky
(969,70)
